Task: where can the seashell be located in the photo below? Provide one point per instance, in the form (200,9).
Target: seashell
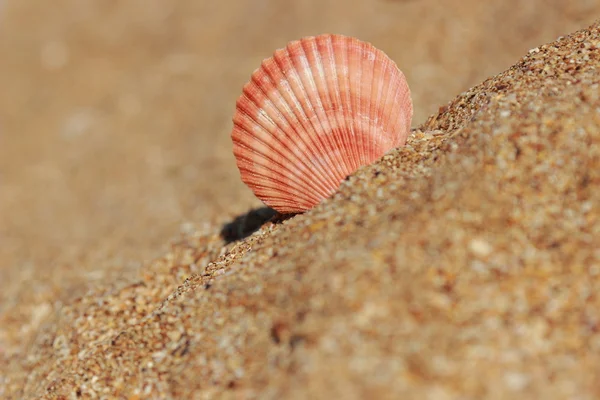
(314,113)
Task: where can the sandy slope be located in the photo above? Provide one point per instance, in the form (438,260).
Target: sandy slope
(463,263)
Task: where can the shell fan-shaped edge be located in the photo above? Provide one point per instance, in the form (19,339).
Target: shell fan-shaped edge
(312,114)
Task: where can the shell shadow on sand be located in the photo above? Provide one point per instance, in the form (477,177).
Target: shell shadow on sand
(246,224)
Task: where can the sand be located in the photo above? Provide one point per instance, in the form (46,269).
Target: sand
(464,265)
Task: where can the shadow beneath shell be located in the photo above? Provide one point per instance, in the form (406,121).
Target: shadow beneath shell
(246,224)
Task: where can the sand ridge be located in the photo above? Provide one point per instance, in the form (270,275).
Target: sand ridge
(463,265)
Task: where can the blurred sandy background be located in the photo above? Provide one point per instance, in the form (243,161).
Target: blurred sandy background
(115,115)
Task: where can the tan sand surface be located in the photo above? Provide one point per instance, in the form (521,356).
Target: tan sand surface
(464,265)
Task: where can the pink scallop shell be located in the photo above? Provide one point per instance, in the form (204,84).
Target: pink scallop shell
(313,114)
